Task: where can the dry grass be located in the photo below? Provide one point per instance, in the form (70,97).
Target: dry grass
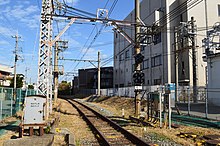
(59,140)
(70,119)
(116,104)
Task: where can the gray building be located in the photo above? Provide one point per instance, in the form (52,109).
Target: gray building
(88,78)
(159,61)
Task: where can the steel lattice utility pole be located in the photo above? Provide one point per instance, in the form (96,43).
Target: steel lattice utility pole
(44,82)
(137,51)
(15,64)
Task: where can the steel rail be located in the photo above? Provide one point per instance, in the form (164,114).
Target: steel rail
(91,125)
(131,137)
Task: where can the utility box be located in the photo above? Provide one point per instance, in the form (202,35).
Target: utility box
(170,91)
(34,109)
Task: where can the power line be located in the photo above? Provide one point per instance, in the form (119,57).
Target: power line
(98,33)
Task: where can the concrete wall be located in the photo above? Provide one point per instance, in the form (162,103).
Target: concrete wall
(214,80)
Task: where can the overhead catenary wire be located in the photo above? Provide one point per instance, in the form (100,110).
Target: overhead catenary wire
(189,6)
(97,34)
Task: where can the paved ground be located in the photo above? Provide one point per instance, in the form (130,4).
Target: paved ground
(45,140)
(199,109)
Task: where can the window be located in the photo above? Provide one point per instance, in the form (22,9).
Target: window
(146,63)
(157,81)
(157,38)
(133,67)
(133,51)
(156,61)
(219,10)
(121,57)
(143,48)
(127,54)
(142,66)
(183,68)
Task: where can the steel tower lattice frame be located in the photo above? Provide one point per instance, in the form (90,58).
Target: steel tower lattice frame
(44,81)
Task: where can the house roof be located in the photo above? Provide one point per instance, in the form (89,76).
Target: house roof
(5,68)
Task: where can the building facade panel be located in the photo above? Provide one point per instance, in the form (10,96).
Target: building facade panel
(161,71)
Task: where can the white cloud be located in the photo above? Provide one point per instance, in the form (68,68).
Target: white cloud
(71,41)
(4,2)
(3,43)
(6,31)
(27,15)
(73,2)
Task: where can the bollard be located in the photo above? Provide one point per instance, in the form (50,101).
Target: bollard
(123,113)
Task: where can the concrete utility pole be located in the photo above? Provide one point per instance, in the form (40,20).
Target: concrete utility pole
(58,45)
(26,72)
(194,61)
(56,72)
(137,51)
(99,75)
(176,57)
(15,64)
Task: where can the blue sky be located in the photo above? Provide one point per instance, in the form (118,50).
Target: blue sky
(23,16)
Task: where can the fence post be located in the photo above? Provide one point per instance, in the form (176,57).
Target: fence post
(19,101)
(206,103)
(12,102)
(0,110)
(188,92)
(160,106)
(2,93)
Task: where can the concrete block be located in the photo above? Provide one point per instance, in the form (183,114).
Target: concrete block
(45,140)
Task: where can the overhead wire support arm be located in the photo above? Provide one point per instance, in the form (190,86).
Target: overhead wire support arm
(120,31)
(63,31)
(90,19)
(79,60)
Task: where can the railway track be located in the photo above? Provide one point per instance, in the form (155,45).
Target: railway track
(107,132)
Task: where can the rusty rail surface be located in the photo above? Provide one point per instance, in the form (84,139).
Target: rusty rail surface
(110,133)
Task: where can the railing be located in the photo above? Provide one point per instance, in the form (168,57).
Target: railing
(8,105)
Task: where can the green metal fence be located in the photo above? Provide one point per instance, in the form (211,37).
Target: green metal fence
(8,105)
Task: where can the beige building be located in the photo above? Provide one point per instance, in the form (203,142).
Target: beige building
(5,72)
(159,61)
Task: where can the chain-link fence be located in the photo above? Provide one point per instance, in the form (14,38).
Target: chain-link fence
(8,105)
(203,103)
(207,103)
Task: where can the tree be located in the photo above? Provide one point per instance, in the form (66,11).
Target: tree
(30,87)
(64,88)
(19,81)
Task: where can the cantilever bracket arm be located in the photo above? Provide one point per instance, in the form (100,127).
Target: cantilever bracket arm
(121,32)
(93,64)
(63,31)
